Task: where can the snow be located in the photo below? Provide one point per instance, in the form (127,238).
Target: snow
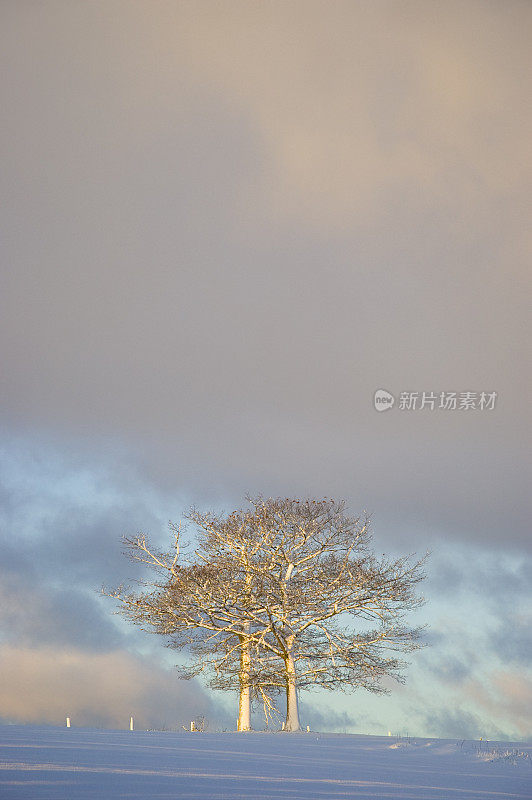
(38,763)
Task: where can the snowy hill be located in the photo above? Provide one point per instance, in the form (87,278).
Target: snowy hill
(78,764)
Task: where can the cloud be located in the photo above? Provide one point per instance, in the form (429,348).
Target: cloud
(454,723)
(495,588)
(502,579)
(66,616)
(451,670)
(331,720)
(219,256)
(511,638)
(224,228)
(70,514)
(62,540)
(453,697)
(505,695)
(363,105)
(514,692)
(101,689)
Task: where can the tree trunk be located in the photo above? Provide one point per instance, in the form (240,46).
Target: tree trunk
(244,702)
(292,712)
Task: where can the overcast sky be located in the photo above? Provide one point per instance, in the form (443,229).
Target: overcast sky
(224,226)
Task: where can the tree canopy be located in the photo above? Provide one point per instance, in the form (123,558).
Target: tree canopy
(281,596)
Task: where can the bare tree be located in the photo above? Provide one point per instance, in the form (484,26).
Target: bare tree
(202,606)
(322,603)
(284,595)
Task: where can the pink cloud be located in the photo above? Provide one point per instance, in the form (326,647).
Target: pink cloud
(46,685)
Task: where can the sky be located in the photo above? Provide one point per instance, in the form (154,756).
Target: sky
(224,227)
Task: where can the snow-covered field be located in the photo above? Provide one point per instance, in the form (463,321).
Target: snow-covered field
(75,764)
